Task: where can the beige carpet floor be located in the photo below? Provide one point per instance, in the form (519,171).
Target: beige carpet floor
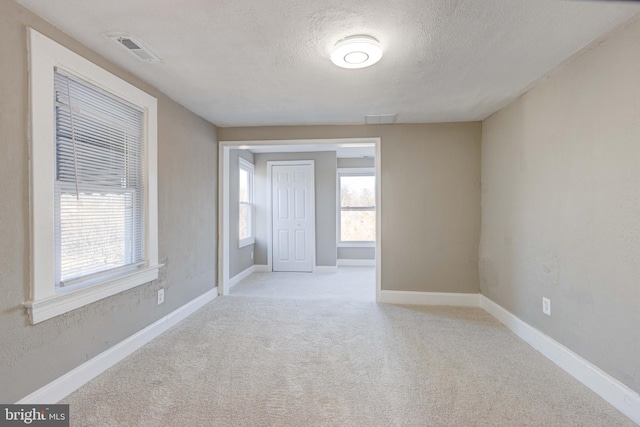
(260,358)
(348,284)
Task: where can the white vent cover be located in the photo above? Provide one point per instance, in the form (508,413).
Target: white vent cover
(134,47)
(380,119)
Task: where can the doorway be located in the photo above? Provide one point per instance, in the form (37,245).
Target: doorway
(270,150)
(291,211)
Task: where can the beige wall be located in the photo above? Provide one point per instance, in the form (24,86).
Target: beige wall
(32,356)
(430,199)
(561,206)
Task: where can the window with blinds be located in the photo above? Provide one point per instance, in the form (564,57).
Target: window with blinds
(99,197)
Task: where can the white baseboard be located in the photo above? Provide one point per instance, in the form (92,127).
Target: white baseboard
(613,391)
(61,387)
(325,269)
(256,268)
(240,276)
(357,262)
(429,298)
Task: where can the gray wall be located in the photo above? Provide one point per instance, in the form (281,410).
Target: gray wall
(325,180)
(239,258)
(32,356)
(430,198)
(561,206)
(356,252)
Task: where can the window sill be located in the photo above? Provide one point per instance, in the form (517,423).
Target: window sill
(64,302)
(357,244)
(246,242)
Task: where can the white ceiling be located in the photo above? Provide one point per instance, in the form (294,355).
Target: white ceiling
(248,62)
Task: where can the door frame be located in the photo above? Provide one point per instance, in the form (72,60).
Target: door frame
(223,280)
(270,165)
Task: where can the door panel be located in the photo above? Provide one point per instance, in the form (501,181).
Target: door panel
(299,202)
(293,218)
(283,204)
(283,245)
(300,245)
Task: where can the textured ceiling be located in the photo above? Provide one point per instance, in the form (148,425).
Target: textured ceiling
(248,62)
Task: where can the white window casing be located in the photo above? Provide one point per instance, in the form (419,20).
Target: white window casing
(246,207)
(77,85)
(353,172)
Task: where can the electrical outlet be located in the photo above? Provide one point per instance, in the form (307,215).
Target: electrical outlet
(546,306)
(251,254)
(160,296)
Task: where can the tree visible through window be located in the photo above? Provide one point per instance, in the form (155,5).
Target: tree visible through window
(357,208)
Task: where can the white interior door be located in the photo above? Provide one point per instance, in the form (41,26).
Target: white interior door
(293,225)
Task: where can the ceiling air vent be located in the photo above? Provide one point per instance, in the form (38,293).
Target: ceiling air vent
(380,119)
(134,47)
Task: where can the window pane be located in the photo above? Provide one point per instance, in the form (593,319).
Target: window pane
(244,185)
(244,225)
(357,191)
(94,233)
(357,226)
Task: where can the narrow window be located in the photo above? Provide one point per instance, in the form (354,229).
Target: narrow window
(357,222)
(246,235)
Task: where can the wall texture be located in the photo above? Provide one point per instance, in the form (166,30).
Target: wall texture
(32,356)
(430,198)
(239,258)
(325,180)
(561,206)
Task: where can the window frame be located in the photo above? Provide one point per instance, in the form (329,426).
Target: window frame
(47,301)
(351,172)
(245,165)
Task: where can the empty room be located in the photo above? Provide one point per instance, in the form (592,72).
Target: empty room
(331,213)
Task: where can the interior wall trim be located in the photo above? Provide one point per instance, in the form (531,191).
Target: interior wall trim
(242,275)
(429,298)
(356,262)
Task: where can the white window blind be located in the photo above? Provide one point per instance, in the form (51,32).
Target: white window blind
(99,197)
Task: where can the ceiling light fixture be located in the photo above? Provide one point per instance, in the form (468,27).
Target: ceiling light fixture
(356,52)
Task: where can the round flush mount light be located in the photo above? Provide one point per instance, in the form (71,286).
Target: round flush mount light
(356,52)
